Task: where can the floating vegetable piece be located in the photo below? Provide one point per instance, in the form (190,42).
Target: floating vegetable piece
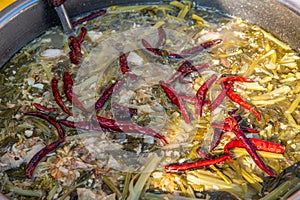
(198,164)
(41,108)
(175,98)
(232,125)
(260,145)
(201,93)
(57,97)
(68,89)
(107,94)
(40,155)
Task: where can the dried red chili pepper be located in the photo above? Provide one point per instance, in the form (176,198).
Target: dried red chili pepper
(51,120)
(248,130)
(234,78)
(82,34)
(232,125)
(226,128)
(220,97)
(193,99)
(75,47)
(201,47)
(201,93)
(123,109)
(107,94)
(41,108)
(259,145)
(202,154)
(68,89)
(75,50)
(40,155)
(124,66)
(84,125)
(236,98)
(217,135)
(161,38)
(123,126)
(197,164)
(177,56)
(151,49)
(123,63)
(182,68)
(192,69)
(175,99)
(58,98)
(220,130)
(89,17)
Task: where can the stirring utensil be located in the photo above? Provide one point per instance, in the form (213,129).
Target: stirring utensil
(63,15)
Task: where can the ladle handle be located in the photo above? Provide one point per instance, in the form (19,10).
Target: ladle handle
(56,3)
(62,14)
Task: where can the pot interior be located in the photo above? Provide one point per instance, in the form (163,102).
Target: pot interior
(24,20)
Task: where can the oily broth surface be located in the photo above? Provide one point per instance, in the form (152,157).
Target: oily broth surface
(96,159)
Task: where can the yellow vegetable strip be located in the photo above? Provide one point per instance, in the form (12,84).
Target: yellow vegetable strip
(251,180)
(275,40)
(197,18)
(297,88)
(251,68)
(182,13)
(275,93)
(294,105)
(251,86)
(225,178)
(177,4)
(268,102)
(238,52)
(290,118)
(264,154)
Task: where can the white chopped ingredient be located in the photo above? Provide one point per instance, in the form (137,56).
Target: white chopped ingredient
(38,85)
(94,35)
(135,59)
(28,133)
(52,53)
(157,174)
(30,81)
(10,105)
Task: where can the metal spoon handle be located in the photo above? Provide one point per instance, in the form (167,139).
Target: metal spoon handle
(63,15)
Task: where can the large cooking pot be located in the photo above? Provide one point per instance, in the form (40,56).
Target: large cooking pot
(24,20)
